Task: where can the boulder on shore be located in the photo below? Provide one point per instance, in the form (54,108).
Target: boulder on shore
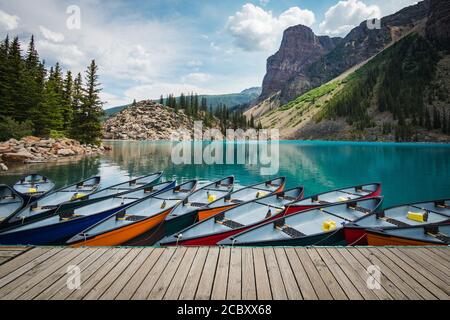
(34,149)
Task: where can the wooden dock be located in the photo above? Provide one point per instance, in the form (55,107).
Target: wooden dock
(225,273)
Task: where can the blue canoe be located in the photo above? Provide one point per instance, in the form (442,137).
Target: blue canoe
(10,202)
(59,228)
(33,187)
(48,205)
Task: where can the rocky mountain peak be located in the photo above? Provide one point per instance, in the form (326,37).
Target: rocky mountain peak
(299,48)
(438,26)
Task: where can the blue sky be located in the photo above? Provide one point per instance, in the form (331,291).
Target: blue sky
(153,47)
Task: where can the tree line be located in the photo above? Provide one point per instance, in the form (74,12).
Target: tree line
(221,115)
(45,102)
(398,80)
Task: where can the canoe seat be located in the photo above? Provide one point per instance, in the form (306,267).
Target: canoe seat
(294,233)
(288,198)
(69,217)
(230,224)
(442,237)
(396,222)
(359,209)
(134,218)
(197,204)
(236,201)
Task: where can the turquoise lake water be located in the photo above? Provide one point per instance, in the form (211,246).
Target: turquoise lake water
(409,172)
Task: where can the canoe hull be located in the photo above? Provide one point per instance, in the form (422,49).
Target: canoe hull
(355,236)
(125,234)
(336,238)
(179,223)
(55,234)
(378,240)
(295,209)
(208,213)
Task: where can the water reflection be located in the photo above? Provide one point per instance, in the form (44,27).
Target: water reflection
(409,173)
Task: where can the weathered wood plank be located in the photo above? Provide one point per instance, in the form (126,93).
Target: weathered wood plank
(24,262)
(234,289)
(193,278)
(88,271)
(178,281)
(385,282)
(226,273)
(32,278)
(219,291)
(98,275)
(104,284)
(336,269)
(402,270)
(152,277)
(423,260)
(164,281)
(205,285)
(21,275)
(138,277)
(263,289)
(290,283)
(61,284)
(360,268)
(56,275)
(273,270)
(320,288)
(441,252)
(248,275)
(422,276)
(351,274)
(330,281)
(304,284)
(391,274)
(126,275)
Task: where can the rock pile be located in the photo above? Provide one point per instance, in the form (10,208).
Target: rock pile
(34,150)
(147,120)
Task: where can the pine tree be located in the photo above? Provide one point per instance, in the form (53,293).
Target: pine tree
(4,85)
(67,97)
(161,100)
(14,103)
(88,120)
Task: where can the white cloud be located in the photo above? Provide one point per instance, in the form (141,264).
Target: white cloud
(69,55)
(255,29)
(345,15)
(8,22)
(50,35)
(196,77)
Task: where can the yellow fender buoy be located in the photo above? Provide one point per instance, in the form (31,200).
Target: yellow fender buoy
(32,190)
(329,225)
(211,198)
(418,216)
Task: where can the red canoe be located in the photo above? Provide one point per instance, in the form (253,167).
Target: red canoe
(233,221)
(398,217)
(357,193)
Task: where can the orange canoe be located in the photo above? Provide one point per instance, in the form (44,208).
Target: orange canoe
(246,194)
(133,221)
(431,235)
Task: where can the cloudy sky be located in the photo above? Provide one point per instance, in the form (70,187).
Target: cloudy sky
(145,48)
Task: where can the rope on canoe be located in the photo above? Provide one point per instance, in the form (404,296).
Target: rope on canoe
(358,240)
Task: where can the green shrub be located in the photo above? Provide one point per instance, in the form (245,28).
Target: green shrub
(9,128)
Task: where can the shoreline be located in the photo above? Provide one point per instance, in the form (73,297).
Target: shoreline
(437,143)
(35,150)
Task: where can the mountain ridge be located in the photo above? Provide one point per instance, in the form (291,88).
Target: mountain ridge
(399,94)
(246,96)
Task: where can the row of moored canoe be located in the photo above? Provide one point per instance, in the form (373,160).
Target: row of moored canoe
(145,211)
